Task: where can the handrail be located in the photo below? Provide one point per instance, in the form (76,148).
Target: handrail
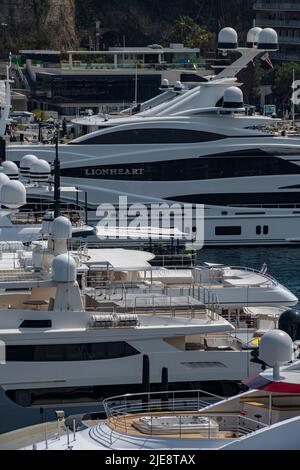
(268,278)
(148,395)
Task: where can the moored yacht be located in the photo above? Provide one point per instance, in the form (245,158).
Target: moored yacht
(110,310)
(266,417)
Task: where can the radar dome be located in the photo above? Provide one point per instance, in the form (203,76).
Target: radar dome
(228,39)
(252,36)
(268,39)
(40,170)
(64,269)
(276,348)
(178,86)
(26,163)
(233,98)
(11,170)
(289,321)
(61,229)
(165,83)
(3,179)
(13,195)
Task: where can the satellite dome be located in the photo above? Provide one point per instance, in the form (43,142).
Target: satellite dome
(165,83)
(61,229)
(252,36)
(233,98)
(64,269)
(40,170)
(11,170)
(26,163)
(3,179)
(228,39)
(268,39)
(289,321)
(276,348)
(178,86)
(13,195)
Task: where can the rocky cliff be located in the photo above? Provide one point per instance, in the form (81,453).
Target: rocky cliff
(62,24)
(37,24)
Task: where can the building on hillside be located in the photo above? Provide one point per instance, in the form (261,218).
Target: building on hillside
(284,17)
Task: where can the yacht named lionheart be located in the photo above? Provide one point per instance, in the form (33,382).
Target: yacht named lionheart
(194,144)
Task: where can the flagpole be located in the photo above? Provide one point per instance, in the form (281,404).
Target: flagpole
(293,102)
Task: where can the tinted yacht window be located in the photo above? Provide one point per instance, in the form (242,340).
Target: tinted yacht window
(152,136)
(69,352)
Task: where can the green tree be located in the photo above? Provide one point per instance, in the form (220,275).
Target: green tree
(283,78)
(192,34)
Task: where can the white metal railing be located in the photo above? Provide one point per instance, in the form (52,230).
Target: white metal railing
(122,410)
(216,276)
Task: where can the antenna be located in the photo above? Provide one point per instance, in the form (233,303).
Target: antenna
(56,177)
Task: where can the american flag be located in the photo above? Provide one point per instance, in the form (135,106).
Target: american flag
(267,60)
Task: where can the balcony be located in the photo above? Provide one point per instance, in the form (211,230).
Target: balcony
(258,6)
(289,40)
(278,23)
(286,56)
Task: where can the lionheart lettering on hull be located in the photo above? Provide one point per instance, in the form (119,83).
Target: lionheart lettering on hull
(114,172)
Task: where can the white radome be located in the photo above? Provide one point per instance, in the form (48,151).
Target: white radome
(61,229)
(268,38)
(228,38)
(26,163)
(253,36)
(10,169)
(3,179)
(233,98)
(276,348)
(13,195)
(64,269)
(40,170)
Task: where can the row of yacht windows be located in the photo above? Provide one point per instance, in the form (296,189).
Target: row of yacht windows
(188,169)
(152,136)
(69,352)
(237,230)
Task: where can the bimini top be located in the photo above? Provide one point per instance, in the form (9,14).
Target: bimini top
(120,259)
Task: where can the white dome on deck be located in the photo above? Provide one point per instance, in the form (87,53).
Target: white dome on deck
(276,348)
(228,39)
(40,170)
(61,229)
(64,269)
(13,194)
(233,98)
(253,36)
(11,170)
(26,163)
(268,39)
(3,179)
(165,83)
